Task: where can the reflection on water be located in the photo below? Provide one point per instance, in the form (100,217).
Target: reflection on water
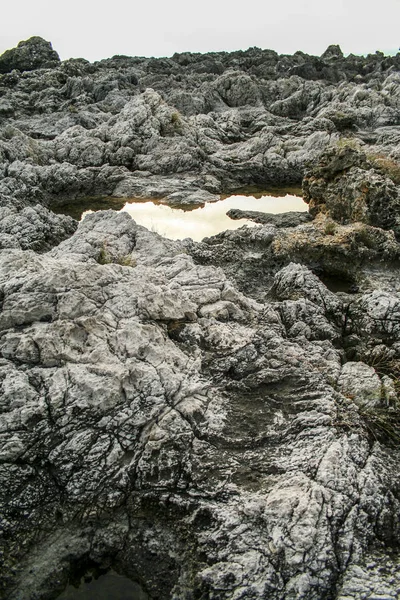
(177,224)
(258,192)
(77,208)
(110,586)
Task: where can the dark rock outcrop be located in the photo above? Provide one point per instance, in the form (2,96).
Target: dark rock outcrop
(288,219)
(333,52)
(29,55)
(346,186)
(250,117)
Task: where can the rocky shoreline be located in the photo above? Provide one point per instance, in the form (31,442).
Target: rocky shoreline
(214,420)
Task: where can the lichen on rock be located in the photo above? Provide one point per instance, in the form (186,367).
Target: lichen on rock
(347,187)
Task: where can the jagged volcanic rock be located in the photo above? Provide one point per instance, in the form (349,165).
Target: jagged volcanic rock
(240,118)
(289,219)
(207,419)
(347,187)
(32,54)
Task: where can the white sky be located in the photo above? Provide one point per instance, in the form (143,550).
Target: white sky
(96,30)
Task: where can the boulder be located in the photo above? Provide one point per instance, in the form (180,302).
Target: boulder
(31,54)
(360,383)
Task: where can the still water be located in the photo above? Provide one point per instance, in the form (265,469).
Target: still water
(110,586)
(207,220)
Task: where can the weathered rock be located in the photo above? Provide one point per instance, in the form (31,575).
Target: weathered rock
(253,117)
(155,393)
(350,256)
(345,186)
(360,382)
(31,54)
(32,227)
(296,281)
(203,418)
(289,219)
(332,52)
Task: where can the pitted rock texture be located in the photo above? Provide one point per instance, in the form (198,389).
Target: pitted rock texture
(32,54)
(288,219)
(155,419)
(356,255)
(71,129)
(31,227)
(346,186)
(361,382)
(208,419)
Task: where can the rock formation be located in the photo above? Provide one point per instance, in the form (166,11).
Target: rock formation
(136,126)
(288,219)
(32,54)
(214,420)
(348,187)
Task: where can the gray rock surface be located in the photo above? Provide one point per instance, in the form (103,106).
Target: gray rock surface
(140,388)
(361,383)
(32,227)
(250,117)
(349,256)
(208,419)
(288,219)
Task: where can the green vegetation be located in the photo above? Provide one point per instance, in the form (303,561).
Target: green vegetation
(386,165)
(176,118)
(330,227)
(126,261)
(105,258)
(172,124)
(382,424)
(348,142)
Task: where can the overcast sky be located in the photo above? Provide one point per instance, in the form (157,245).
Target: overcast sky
(96,30)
